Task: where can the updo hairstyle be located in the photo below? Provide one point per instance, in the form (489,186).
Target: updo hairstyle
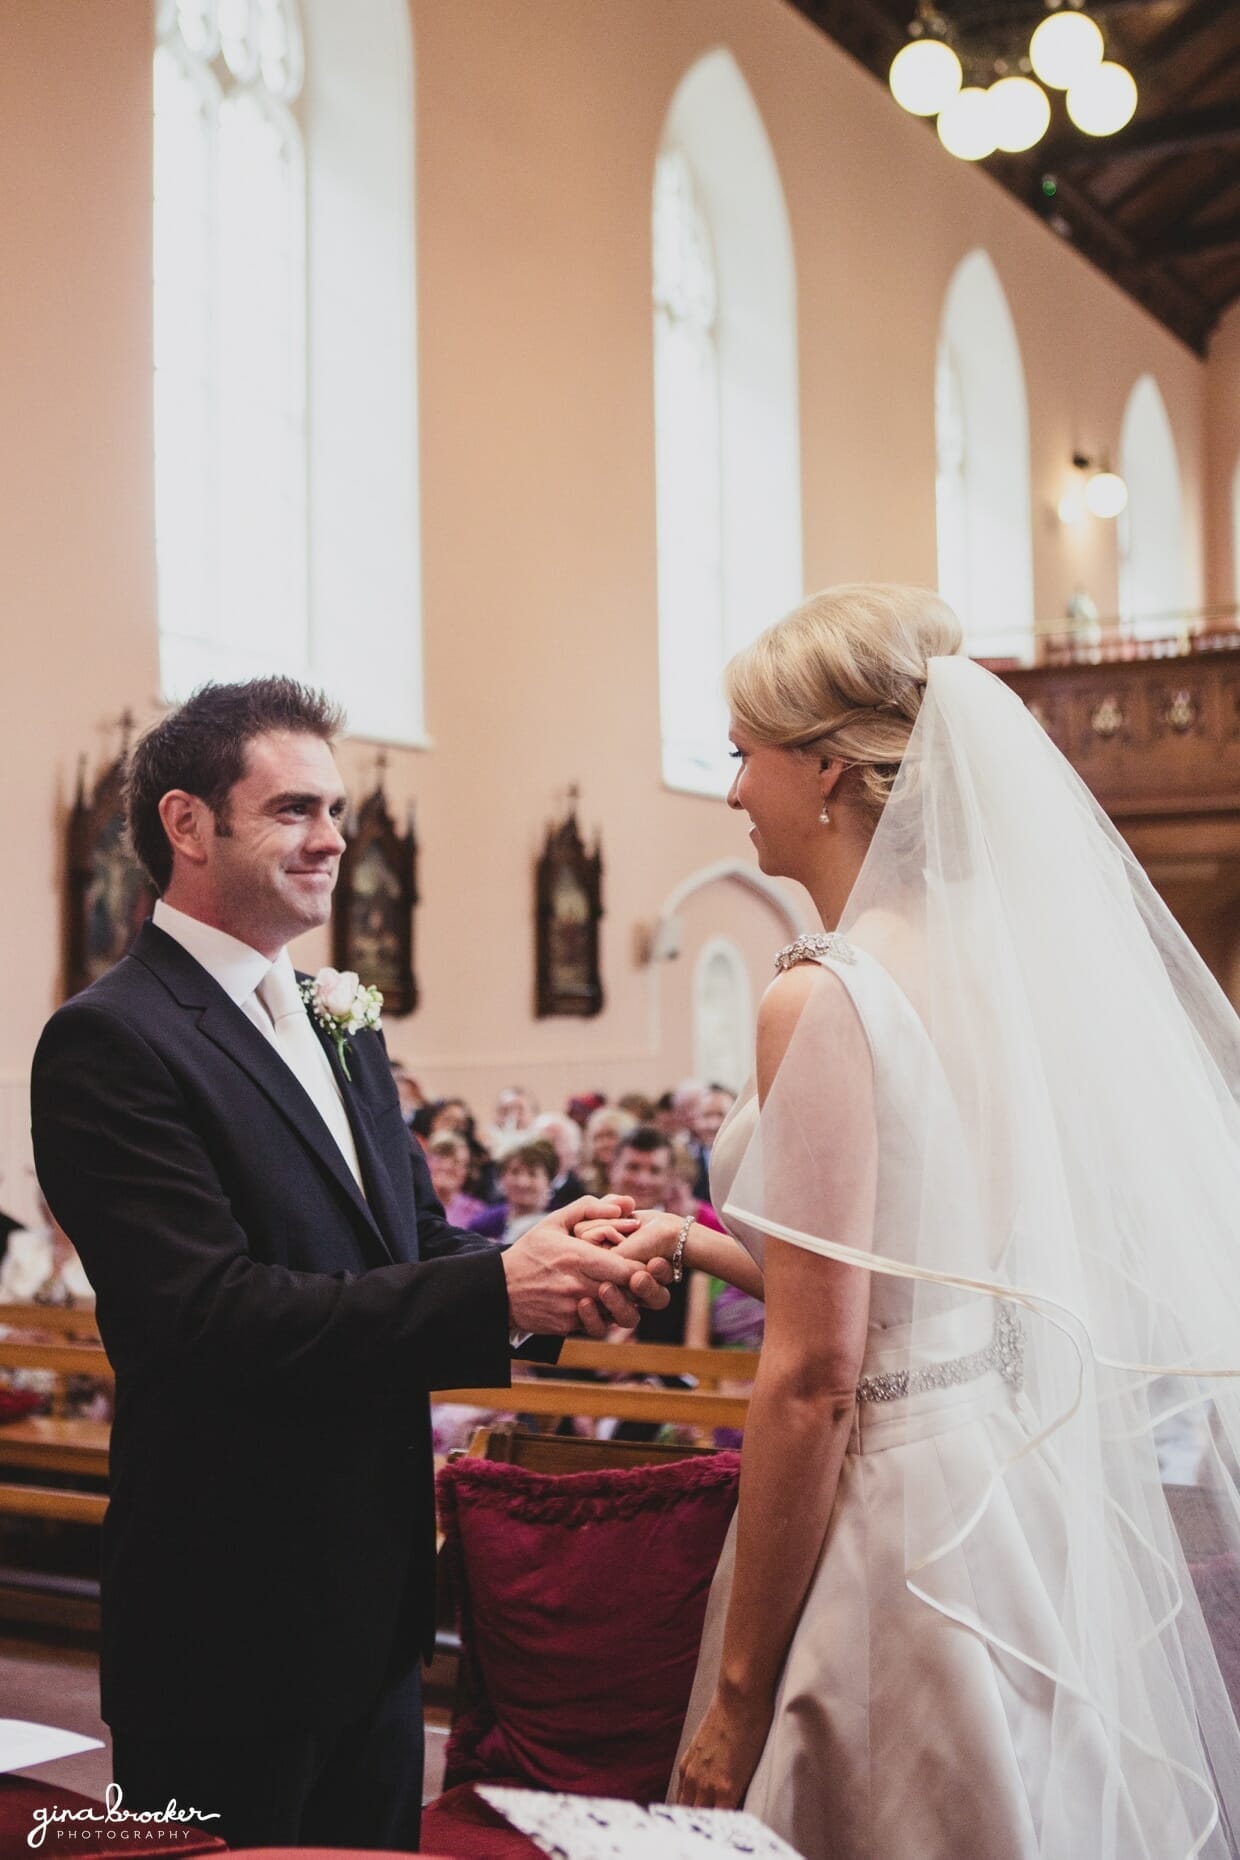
(842,676)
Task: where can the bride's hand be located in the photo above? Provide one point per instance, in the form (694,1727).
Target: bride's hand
(718,1766)
(645,1235)
(654,1237)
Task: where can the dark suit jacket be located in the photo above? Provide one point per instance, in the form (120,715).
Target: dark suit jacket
(270,1542)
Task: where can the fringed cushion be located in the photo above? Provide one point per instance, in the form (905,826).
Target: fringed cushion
(581,1600)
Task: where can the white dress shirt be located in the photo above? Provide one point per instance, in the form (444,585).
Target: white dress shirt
(239,970)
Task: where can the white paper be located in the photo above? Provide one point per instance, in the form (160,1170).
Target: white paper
(584,1827)
(23,1744)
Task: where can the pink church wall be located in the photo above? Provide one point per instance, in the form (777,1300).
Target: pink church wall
(537,126)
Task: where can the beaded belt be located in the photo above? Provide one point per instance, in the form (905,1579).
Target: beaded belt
(1005,1352)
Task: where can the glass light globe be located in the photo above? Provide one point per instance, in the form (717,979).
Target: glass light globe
(1106,494)
(925,75)
(967,125)
(1064,47)
(1103,101)
(1022,113)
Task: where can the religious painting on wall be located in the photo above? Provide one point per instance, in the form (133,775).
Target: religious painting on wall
(569,906)
(108,897)
(372,919)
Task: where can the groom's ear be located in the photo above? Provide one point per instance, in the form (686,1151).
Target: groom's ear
(186,821)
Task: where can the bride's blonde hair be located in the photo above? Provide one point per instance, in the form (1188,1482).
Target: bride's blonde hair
(843,675)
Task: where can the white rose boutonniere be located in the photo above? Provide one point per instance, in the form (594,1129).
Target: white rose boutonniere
(342,1007)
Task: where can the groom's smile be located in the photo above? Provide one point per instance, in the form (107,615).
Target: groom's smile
(263,867)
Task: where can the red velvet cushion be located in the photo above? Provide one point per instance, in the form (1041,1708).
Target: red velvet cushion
(582,1597)
(461,1824)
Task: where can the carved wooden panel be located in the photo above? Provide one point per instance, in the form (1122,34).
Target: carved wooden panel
(1155,736)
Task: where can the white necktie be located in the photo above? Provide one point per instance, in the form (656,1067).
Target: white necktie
(298,1045)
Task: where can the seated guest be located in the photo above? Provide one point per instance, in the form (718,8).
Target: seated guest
(7,1223)
(675,1110)
(558,1129)
(598,1149)
(516,1107)
(41,1266)
(525,1173)
(407,1090)
(449,1114)
(646,1161)
(448,1158)
(453,1115)
(708,1114)
(645,1167)
(582,1106)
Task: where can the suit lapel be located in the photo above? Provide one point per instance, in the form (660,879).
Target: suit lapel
(227,1027)
(379,1191)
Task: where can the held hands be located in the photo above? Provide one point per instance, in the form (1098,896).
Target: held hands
(557,1281)
(647,1234)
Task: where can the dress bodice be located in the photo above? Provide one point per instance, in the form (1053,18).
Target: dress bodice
(904,1069)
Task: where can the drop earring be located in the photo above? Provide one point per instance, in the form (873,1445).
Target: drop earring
(825,817)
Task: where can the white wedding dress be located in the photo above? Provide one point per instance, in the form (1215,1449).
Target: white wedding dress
(901,1732)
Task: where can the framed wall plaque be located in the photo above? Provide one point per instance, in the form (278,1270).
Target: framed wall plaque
(108,896)
(372,919)
(568,909)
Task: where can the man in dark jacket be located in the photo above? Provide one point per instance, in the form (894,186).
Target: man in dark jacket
(277,1290)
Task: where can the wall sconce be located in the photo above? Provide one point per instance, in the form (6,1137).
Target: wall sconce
(1096,491)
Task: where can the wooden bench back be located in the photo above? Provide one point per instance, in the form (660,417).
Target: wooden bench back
(715,1401)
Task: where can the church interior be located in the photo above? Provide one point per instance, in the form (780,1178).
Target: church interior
(502,367)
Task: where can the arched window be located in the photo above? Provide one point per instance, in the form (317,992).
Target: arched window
(722,1015)
(727,452)
(229,315)
(983,499)
(1150,531)
(285,404)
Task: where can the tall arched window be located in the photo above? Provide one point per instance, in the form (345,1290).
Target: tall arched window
(1150,531)
(983,499)
(229,315)
(285,337)
(727,452)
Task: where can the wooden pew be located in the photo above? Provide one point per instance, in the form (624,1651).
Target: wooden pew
(629,1398)
(53,1473)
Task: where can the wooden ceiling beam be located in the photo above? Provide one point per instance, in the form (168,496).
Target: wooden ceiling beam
(1195,242)
(1185,27)
(1215,127)
(1079,220)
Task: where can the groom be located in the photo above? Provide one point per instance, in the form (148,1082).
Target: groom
(277,1289)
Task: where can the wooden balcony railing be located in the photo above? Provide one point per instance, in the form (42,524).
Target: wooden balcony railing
(1151,725)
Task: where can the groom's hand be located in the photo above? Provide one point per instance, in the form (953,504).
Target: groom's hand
(556,1282)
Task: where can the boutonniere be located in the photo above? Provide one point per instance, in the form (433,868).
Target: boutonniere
(342,1007)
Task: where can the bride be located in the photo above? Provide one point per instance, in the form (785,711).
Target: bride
(987,1178)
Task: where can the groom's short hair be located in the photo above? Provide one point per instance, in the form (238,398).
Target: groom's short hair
(201,746)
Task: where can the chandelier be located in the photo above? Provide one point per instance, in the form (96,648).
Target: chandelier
(1005,103)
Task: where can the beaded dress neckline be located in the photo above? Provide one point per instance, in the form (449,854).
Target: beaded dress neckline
(815,946)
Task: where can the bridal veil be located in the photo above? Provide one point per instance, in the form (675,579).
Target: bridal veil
(1069,1199)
